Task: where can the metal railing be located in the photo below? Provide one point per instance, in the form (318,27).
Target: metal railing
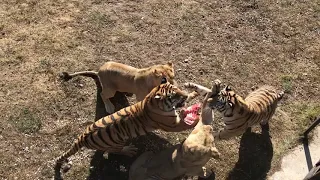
(313,170)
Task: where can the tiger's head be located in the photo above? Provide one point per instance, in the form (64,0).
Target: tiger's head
(165,104)
(227,101)
(167,97)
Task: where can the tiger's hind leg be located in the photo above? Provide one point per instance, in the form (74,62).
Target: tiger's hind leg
(273,109)
(268,117)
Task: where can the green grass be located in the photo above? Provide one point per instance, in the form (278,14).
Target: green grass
(287,83)
(26,122)
(307,113)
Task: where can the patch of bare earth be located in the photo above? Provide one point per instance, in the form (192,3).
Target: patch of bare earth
(244,43)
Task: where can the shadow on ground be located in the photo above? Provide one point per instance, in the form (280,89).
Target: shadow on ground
(116,167)
(255,155)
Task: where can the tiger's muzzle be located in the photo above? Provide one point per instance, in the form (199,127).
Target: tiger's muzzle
(181,101)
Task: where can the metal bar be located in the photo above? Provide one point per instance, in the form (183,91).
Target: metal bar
(307,153)
(306,143)
(313,125)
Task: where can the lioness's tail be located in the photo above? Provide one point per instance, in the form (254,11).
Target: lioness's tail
(66,76)
(94,75)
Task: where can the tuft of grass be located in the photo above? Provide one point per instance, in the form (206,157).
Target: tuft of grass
(308,113)
(45,66)
(304,115)
(287,83)
(45,63)
(312,112)
(26,122)
(101,19)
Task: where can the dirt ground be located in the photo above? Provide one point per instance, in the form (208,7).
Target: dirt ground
(244,43)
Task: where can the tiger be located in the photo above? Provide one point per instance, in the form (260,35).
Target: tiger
(239,114)
(158,110)
(187,158)
(115,76)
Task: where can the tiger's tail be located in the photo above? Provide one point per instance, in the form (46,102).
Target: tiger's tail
(92,74)
(74,149)
(280,95)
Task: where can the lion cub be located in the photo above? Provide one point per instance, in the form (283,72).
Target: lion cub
(185,159)
(120,77)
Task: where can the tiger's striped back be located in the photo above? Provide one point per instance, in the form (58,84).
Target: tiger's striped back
(263,102)
(239,114)
(110,133)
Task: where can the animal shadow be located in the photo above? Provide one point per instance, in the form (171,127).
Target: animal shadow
(116,167)
(255,155)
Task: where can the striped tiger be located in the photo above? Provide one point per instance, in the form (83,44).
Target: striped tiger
(185,159)
(238,113)
(157,111)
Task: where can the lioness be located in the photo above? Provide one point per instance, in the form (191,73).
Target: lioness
(120,77)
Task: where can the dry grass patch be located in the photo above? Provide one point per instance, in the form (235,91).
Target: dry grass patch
(26,122)
(287,83)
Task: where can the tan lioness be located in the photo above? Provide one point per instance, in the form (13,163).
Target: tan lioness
(120,77)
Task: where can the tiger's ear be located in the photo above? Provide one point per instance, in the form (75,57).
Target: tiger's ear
(169,63)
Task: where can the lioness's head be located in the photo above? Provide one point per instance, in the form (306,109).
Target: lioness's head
(163,73)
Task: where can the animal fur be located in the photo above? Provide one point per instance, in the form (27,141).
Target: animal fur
(185,159)
(113,77)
